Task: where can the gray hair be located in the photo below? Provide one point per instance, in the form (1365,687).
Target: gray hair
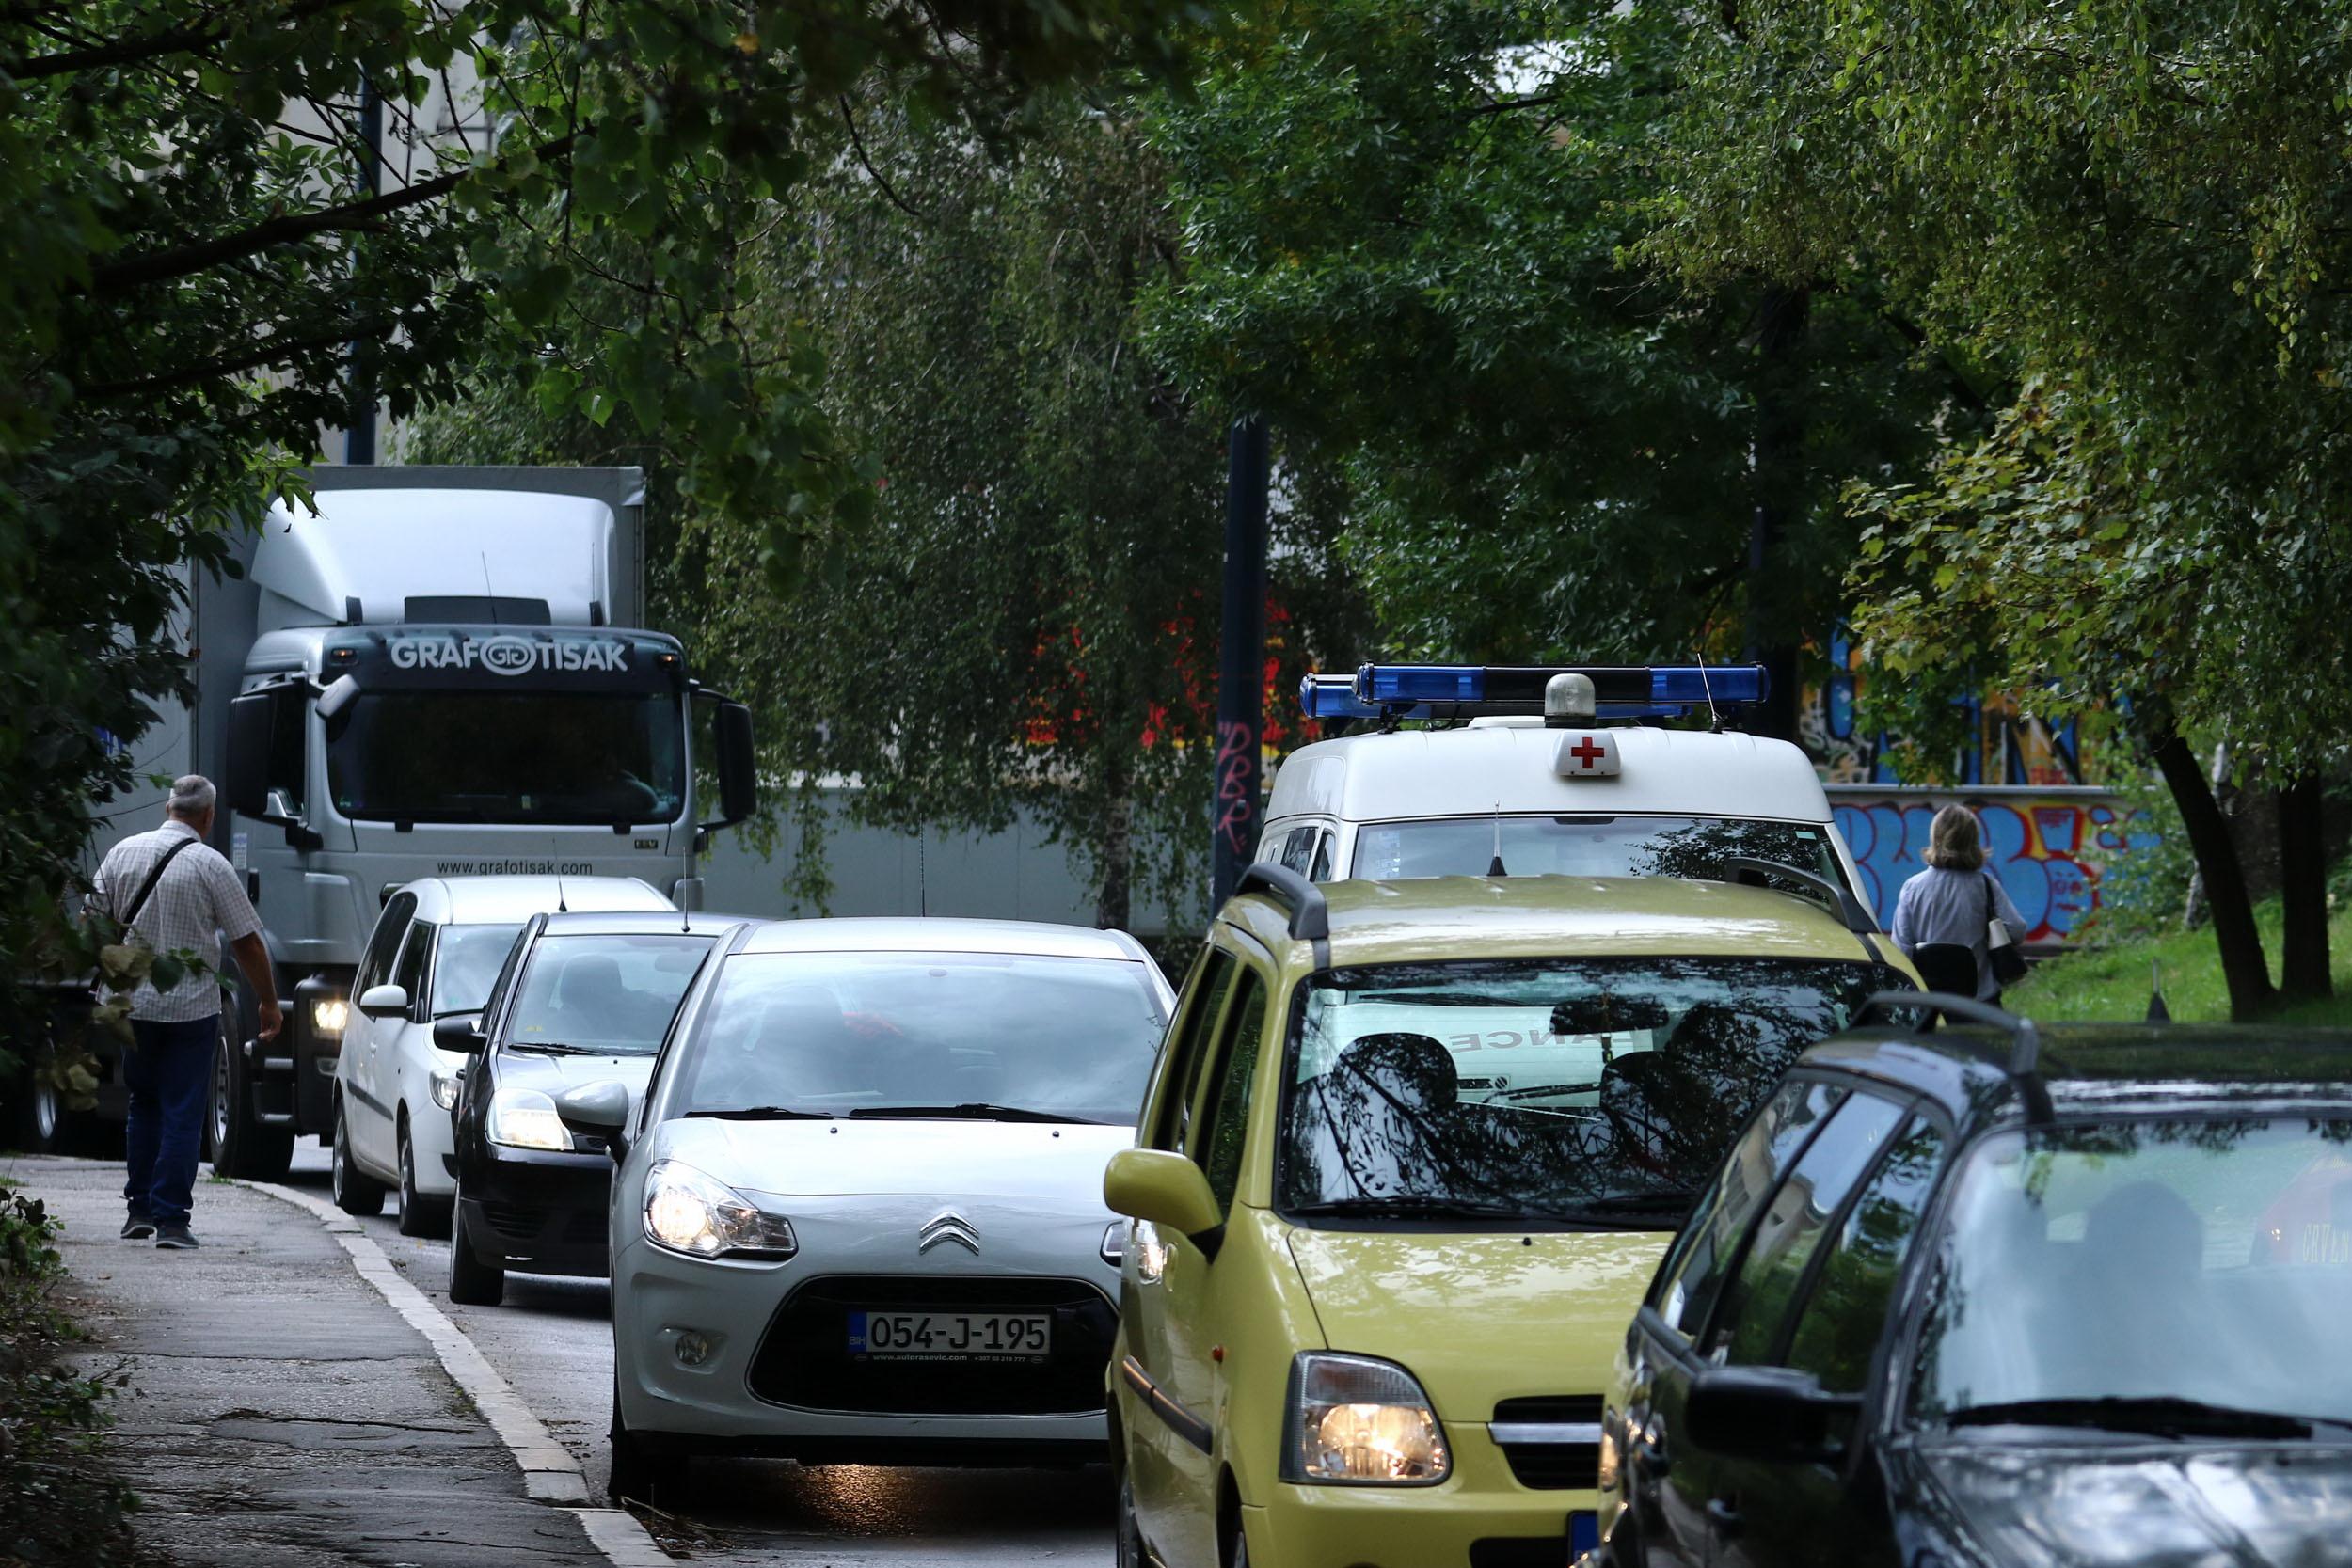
(192,795)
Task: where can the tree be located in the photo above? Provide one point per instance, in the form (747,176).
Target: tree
(1428,286)
(193,269)
(1029,623)
(2152,202)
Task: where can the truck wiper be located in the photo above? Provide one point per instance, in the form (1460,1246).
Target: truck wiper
(766,1113)
(2161,1415)
(974,1109)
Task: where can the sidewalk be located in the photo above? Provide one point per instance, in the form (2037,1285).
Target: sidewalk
(280,1414)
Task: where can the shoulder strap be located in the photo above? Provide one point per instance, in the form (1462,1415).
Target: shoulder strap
(148,887)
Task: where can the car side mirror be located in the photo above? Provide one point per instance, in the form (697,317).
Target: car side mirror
(461,1034)
(596,1111)
(1775,1414)
(1167,1190)
(384,1000)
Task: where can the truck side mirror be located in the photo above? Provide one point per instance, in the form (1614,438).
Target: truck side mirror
(736,765)
(245,778)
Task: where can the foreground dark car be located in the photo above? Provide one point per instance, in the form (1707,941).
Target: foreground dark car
(584,999)
(1982,1297)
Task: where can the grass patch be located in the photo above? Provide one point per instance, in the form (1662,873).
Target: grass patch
(2111,982)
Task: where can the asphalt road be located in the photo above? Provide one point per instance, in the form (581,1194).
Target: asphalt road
(552,1340)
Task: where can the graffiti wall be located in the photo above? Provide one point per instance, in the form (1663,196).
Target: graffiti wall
(2048,846)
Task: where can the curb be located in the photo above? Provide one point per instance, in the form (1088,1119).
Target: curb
(550,1474)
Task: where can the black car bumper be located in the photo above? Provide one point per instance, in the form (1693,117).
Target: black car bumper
(538,1213)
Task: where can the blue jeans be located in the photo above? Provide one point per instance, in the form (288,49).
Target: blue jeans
(168,1071)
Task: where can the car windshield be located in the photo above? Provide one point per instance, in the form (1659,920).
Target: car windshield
(495,756)
(2176,1263)
(1601,1090)
(610,994)
(868,1034)
(466,965)
(1587,847)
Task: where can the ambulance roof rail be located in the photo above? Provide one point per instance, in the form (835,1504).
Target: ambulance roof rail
(2024,1038)
(1309,916)
(1753,872)
(1472,691)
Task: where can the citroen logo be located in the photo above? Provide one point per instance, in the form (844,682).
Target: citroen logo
(948,1226)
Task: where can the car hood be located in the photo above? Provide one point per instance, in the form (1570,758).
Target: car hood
(554,1074)
(1033,1165)
(1483,1316)
(2167,1505)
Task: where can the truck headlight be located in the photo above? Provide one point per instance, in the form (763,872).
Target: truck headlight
(1354,1421)
(445,1082)
(329,1014)
(524,1118)
(689,1212)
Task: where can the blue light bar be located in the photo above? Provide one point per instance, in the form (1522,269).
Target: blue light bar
(1464,692)
(1386,684)
(1690,685)
(1332,697)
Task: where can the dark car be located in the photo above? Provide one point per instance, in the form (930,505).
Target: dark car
(1990,1297)
(582,999)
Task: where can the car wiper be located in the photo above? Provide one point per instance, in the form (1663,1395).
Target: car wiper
(1412,1207)
(1669,1202)
(974,1109)
(766,1113)
(550,1048)
(2161,1415)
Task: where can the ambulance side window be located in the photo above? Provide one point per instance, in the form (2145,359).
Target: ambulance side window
(1297,848)
(1321,870)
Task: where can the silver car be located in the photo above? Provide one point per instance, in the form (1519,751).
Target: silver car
(858,1215)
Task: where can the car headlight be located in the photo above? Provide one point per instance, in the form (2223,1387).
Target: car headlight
(445,1082)
(329,1014)
(524,1118)
(1359,1422)
(689,1212)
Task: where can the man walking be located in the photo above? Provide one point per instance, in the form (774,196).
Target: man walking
(178,894)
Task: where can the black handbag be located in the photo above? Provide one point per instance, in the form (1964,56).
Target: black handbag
(2001,950)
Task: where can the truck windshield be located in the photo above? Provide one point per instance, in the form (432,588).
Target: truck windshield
(495,756)
(1581,1090)
(2174,1274)
(1587,847)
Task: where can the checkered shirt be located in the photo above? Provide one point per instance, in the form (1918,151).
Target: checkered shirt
(196,902)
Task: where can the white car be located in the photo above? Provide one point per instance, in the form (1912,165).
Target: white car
(858,1216)
(436,951)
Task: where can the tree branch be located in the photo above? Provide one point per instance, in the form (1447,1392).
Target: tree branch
(161,265)
(127,51)
(849,123)
(274,352)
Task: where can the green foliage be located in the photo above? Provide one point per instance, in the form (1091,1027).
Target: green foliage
(2145,892)
(2130,213)
(1406,233)
(189,276)
(63,1506)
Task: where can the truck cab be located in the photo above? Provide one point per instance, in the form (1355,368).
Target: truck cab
(1588,788)
(439,679)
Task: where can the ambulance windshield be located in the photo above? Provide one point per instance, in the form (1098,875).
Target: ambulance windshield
(1587,847)
(1582,1091)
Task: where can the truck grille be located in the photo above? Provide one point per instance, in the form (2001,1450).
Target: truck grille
(1552,1442)
(805,1360)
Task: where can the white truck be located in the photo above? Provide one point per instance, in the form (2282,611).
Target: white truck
(436,673)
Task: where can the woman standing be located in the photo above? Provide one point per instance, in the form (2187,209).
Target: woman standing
(1942,915)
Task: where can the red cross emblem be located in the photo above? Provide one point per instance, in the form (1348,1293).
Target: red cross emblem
(1587,757)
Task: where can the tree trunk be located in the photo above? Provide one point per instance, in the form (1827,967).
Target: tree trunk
(2242,965)
(1113,901)
(2303,888)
